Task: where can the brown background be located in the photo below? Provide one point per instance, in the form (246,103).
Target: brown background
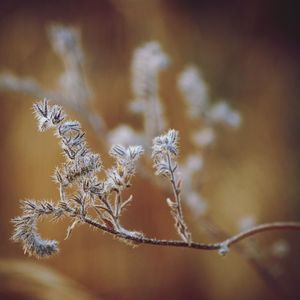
(249,54)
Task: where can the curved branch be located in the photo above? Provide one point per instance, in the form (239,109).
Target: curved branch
(195,245)
(261,228)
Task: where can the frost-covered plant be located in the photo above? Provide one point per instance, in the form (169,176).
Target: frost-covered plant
(165,150)
(83,195)
(80,172)
(81,191)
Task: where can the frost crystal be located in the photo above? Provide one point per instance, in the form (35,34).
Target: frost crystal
(224,249)
(166,143)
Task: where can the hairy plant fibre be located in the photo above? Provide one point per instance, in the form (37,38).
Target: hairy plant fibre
(105,196)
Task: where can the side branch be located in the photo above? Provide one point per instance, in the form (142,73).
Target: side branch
(261,228)
(200,246)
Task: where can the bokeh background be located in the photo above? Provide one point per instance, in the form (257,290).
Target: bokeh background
(248,52)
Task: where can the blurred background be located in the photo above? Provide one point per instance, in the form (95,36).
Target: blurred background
(248,52)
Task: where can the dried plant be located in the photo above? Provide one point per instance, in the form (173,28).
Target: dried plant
(165,150)
(85,198)
(81,191)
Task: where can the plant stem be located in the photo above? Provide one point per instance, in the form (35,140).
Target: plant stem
(175,189)
(199,246)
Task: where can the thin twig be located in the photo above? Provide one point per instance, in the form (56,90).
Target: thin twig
(261,228)
(200,246)
(176,209)
(118,201)
(174,187)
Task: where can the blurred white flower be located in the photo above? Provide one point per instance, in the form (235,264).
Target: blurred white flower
(222,113)
(280,248)
(196,203)
(124,135)
(203,137)
(247,222)
(194,90)
(148,61)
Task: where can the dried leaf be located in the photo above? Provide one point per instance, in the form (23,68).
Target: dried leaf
(127,202)
(172,204)
(71,227)
(178,184)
